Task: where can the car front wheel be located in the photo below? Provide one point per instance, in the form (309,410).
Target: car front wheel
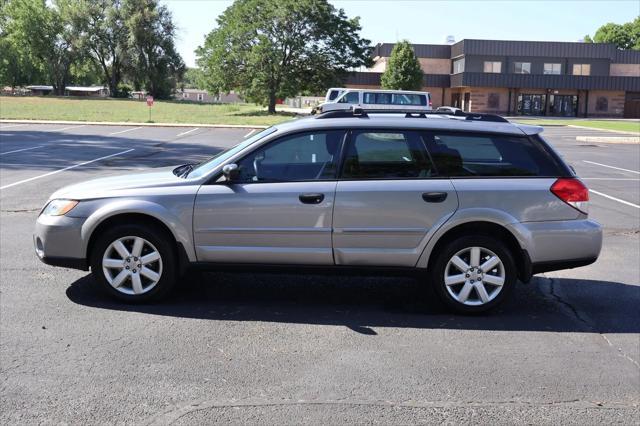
(474,274)
(134,263)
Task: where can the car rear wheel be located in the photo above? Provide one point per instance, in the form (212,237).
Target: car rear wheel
(134,263)
(474,274)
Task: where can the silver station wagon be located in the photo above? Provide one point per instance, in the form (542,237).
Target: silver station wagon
(471,203)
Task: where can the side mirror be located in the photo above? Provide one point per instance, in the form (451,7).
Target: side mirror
(231,172)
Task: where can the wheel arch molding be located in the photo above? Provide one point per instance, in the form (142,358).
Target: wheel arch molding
(490,222)
(179,229)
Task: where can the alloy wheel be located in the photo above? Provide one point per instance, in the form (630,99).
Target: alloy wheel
(474,276)
(132,265)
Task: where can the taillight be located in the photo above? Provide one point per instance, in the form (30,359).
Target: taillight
(573,192)
(430,103)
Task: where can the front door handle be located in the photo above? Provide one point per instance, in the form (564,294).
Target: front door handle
(311,198)
(434,197)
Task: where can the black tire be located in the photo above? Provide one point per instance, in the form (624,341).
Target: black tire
(450,249)
(163,243)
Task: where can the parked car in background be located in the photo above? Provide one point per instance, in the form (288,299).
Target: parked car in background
(468,205)
(333,93)
(379,99)
(331,96)
(450,110)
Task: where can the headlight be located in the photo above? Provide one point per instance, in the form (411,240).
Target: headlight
(59,207)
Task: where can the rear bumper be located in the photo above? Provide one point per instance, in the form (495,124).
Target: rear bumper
(559,245)
(538,268)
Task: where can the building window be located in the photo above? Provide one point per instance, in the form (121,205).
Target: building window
(185,95)
(491,66)
(458,66)
(581,69)
(493,101)
(552,69)
(602,104)
(522,67)
(200,96)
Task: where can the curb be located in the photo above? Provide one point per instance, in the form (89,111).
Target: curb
(610,139)
(126,123)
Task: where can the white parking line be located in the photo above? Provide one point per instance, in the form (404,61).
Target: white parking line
(186,133)
(632,179)
(124,131)
(615,199)
(250,133)
(67,128)
(612,167)
(20,150)
(66,168)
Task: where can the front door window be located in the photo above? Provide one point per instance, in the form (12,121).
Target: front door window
(301,157)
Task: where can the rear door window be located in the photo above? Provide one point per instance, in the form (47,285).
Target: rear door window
(465,154)
(377,98)
(382,154)
(409,99)
(387,98)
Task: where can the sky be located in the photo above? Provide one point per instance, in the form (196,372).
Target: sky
(430,22)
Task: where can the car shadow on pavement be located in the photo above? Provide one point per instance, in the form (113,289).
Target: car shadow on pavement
(365,303)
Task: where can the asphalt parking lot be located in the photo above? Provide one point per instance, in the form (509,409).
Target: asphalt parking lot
(249,348)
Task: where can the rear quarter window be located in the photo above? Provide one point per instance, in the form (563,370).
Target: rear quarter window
(489,155)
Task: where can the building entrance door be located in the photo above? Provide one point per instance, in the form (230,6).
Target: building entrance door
(531,104)
(467,101)
(455,100)
(563,105)
(632,105)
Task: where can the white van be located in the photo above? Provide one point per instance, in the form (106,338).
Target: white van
(371,99)
(333,93)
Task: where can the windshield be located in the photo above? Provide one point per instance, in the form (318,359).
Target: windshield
(213,162)
(333,94)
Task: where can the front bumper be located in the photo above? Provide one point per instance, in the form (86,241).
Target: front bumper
(57,241)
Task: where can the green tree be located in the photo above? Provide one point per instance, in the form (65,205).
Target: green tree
(85,72)
(17,66)
(270,49)
(104,39)
(193,79)
(403,70)
(155,63)
(44,33)
(625,36)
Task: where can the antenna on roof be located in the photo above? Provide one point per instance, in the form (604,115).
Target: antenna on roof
(451,39)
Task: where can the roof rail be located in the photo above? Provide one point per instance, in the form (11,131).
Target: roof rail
(356,111)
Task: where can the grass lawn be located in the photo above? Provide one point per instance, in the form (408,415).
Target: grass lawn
(623,126)
(76,109)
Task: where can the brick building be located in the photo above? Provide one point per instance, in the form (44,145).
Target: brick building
(562,79)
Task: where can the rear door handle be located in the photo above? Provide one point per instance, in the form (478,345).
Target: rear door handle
(311,198)
(434,197)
